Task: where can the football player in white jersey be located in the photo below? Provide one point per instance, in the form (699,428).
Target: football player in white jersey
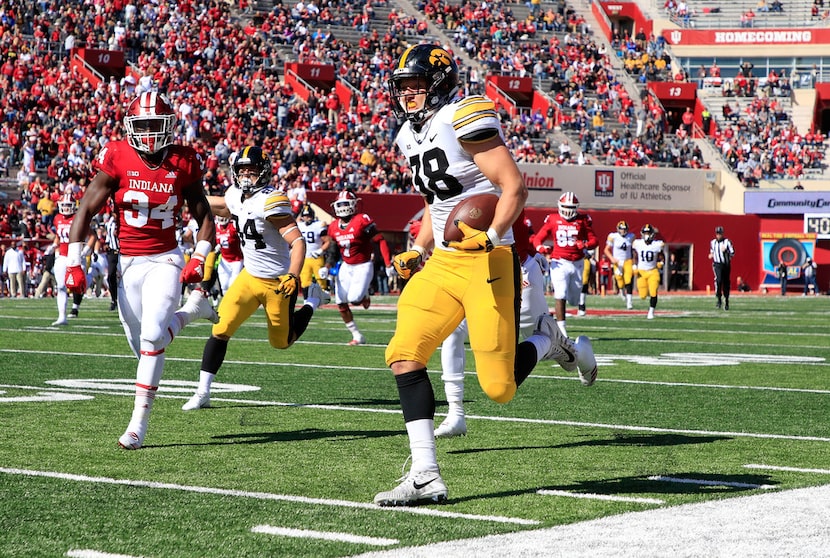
(618,250)
(317,241)
(273,250)
(648,261)
(456,149)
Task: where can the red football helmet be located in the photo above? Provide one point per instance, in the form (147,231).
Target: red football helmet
(346,204)
(150,121)
(568,204)
(67,205)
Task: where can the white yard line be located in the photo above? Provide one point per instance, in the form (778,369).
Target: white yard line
(606,497)
(266,496)
(791,469)
(711,482)
(623,427)
(322,535)
(86,553)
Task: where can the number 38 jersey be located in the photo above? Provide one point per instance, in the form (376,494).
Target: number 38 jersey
(442,170)
(265,251)
(148,199)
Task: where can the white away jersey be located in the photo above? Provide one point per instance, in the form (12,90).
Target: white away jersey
(312,233)
(265,251)
(647,254)
(442,170)
(620,245)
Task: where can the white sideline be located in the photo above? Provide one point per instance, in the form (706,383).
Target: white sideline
(771,525)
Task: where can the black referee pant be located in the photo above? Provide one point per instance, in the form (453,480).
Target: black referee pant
(112,274)
(722,282)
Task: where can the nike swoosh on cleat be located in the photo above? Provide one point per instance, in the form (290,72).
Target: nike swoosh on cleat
(493,280)
(420,486)
(571,356)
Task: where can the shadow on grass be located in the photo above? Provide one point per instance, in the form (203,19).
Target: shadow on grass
(655,440)
(686,484)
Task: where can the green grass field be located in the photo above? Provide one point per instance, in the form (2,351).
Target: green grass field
(696,405)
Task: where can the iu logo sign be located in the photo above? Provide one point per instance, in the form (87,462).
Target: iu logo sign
(676,36)
(604,184)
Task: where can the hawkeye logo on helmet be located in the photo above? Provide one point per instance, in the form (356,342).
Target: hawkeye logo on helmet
(439,57)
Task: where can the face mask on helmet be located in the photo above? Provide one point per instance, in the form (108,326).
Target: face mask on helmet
(568,205)
(622,227)
(345,205)
(149,122)
(648,233)
(424,80)
(223,221)
(251,170)
(67,207)
(307,213)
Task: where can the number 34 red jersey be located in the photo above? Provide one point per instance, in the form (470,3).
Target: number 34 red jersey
(148,199)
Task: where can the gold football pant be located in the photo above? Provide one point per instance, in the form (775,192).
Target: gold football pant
(245,295)
(648,281)
(624,273)
(311,269)
(484,287)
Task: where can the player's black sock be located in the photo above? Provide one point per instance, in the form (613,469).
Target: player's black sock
(526,359)
(417,396)
(214,354)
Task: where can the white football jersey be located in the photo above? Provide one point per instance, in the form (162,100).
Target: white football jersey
(442,170)
(265,251)
(620,245)
(647,254)
(312,233)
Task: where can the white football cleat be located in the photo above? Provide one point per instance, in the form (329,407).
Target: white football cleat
(585,360)
(360,340)
(451,427)
(133,438)
(561,348)
(316,291)
(62,322)
(415,488)
(650,314)
(581,312)
(198,306)
(198,401)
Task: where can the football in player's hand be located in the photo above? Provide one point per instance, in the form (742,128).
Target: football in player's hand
(477,211)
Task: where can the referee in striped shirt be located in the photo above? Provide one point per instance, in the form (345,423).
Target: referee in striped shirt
(112,259)
(721,253)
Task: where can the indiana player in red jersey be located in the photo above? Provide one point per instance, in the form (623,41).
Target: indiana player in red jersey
(355,234)
(148,179)
(227,242)
(572,233)
(67,207)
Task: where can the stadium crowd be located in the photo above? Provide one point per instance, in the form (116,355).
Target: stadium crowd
(216,68)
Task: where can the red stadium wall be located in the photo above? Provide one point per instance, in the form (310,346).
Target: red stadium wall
(392,213)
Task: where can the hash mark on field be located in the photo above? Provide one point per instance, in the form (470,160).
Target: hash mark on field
(606,497)
(86,553)
(705,482)
(267,496)
(791,469)
(324,535)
